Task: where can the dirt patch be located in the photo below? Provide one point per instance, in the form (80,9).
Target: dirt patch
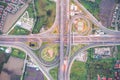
(106,11)
(12,70)
(33,74)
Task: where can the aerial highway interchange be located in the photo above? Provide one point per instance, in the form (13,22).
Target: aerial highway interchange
(63,21)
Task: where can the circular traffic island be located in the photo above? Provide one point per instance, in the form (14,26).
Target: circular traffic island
(81,26)
(50,53)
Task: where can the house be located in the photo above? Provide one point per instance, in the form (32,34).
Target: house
(12,1)
(117,75)
(11,8)
(117,65)
(103,78)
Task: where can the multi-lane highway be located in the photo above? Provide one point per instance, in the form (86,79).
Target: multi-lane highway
(75,39)
(63,21)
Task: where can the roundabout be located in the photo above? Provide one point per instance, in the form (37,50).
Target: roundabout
(49,54)
(81,26)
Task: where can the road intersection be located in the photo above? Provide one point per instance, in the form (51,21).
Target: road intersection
(63,20)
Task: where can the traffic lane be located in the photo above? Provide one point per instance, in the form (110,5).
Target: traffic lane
(31,54)
(71,60)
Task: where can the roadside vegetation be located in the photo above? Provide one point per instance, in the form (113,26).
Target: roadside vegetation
(19,31)
(31,10)
(76,48)
(45,78)
(102,67)
(18,53)
(78,71)
(45,10)
(93,7)
(54,73)
(3,4)
(118,54)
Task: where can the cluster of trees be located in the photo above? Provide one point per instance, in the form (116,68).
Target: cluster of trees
(19,31)
(117,1)
(103,67)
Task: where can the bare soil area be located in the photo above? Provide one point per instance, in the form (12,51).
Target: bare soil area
(106,11)
(12,70)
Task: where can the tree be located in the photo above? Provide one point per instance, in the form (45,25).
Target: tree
(117,1)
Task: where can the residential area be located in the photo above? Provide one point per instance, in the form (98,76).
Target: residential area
(9,7)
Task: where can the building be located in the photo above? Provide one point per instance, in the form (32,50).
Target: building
(12,1)
(103,52)
(73,9)
(117,75)
(12,7)
(117,65)
(103,78)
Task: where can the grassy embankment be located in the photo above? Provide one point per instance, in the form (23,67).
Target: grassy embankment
(19,31)
(45,10)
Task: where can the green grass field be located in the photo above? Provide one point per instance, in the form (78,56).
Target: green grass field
(78,71)
(31,11)
(44,53)
(19,31)
(54,73)
(18,53)
(93,7)
(46,11)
